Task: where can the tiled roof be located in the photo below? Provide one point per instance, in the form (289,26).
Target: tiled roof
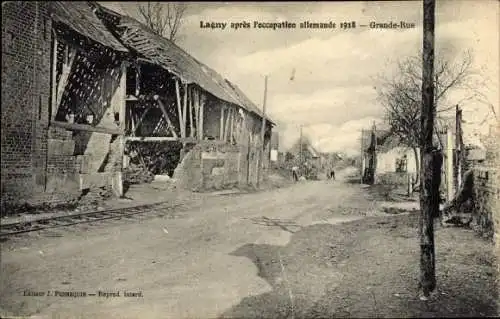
(80,17)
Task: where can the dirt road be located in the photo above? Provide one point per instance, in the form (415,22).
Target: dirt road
(185,266)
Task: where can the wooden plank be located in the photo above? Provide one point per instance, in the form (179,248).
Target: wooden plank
(179,108)
(86,127)
(54,78)
(165,114)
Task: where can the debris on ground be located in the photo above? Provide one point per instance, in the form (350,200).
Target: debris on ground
(137,174)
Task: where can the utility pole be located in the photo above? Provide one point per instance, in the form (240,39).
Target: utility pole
(428,203)
(300,145)
(262,134)
(458,144)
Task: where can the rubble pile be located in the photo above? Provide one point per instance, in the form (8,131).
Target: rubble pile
(137,174)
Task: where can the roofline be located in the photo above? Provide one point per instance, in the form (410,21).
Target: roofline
(231,94)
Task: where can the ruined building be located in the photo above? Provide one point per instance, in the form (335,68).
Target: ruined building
(86,91)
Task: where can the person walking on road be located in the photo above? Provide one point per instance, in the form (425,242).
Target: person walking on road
(332,174)
(295,173)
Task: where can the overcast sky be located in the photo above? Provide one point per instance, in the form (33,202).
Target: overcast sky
(332,92)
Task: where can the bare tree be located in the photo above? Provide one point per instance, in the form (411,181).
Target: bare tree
(164,18)
(401,95)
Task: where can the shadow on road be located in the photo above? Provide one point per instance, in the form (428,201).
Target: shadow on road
(367,268)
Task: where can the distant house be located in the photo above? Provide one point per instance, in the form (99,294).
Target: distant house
(383,155)
(274,146)
(303,152)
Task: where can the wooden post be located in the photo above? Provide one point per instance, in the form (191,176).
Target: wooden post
(184,110)
(231,125)
(262,134)
(122,89)
(202,106)
(137,79)
(427,196)
(228,122)
(221,125)
(190,107)
(196,100)
(449,164)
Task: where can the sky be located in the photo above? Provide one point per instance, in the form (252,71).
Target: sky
(332,92)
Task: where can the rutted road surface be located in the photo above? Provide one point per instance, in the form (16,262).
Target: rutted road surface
(185,266)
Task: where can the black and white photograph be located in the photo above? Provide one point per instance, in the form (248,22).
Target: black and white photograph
(285,160)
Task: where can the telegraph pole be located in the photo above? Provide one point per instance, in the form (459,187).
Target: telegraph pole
(300,143)
(428,203)
(458,144)
(262,133)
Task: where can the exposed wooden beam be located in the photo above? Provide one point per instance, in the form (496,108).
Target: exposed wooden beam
(160,139)
(228,121)
(202,107)
(231,125)
(86,127)
(69,60)
(132,119)
(179,107)
(54,77)
(190,107)
(184,109)
(165,114)
(196,99)
(137,79)
(143,116)
(221,125)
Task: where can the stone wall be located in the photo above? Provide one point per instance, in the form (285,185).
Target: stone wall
(209,165)
(486,193)
(396,179)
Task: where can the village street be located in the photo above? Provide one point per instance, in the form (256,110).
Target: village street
(251,255)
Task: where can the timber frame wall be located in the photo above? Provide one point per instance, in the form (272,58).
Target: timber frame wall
(173,111)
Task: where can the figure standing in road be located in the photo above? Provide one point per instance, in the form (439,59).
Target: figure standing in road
(295,173)
(332,174)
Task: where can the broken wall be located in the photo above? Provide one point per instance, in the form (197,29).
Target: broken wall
(99,155)
(209,165)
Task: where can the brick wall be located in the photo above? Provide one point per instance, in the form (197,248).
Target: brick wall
(26,54)
(38,163)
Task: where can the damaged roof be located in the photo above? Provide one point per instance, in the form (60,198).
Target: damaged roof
(80,17)
(166,54)
(247,102)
